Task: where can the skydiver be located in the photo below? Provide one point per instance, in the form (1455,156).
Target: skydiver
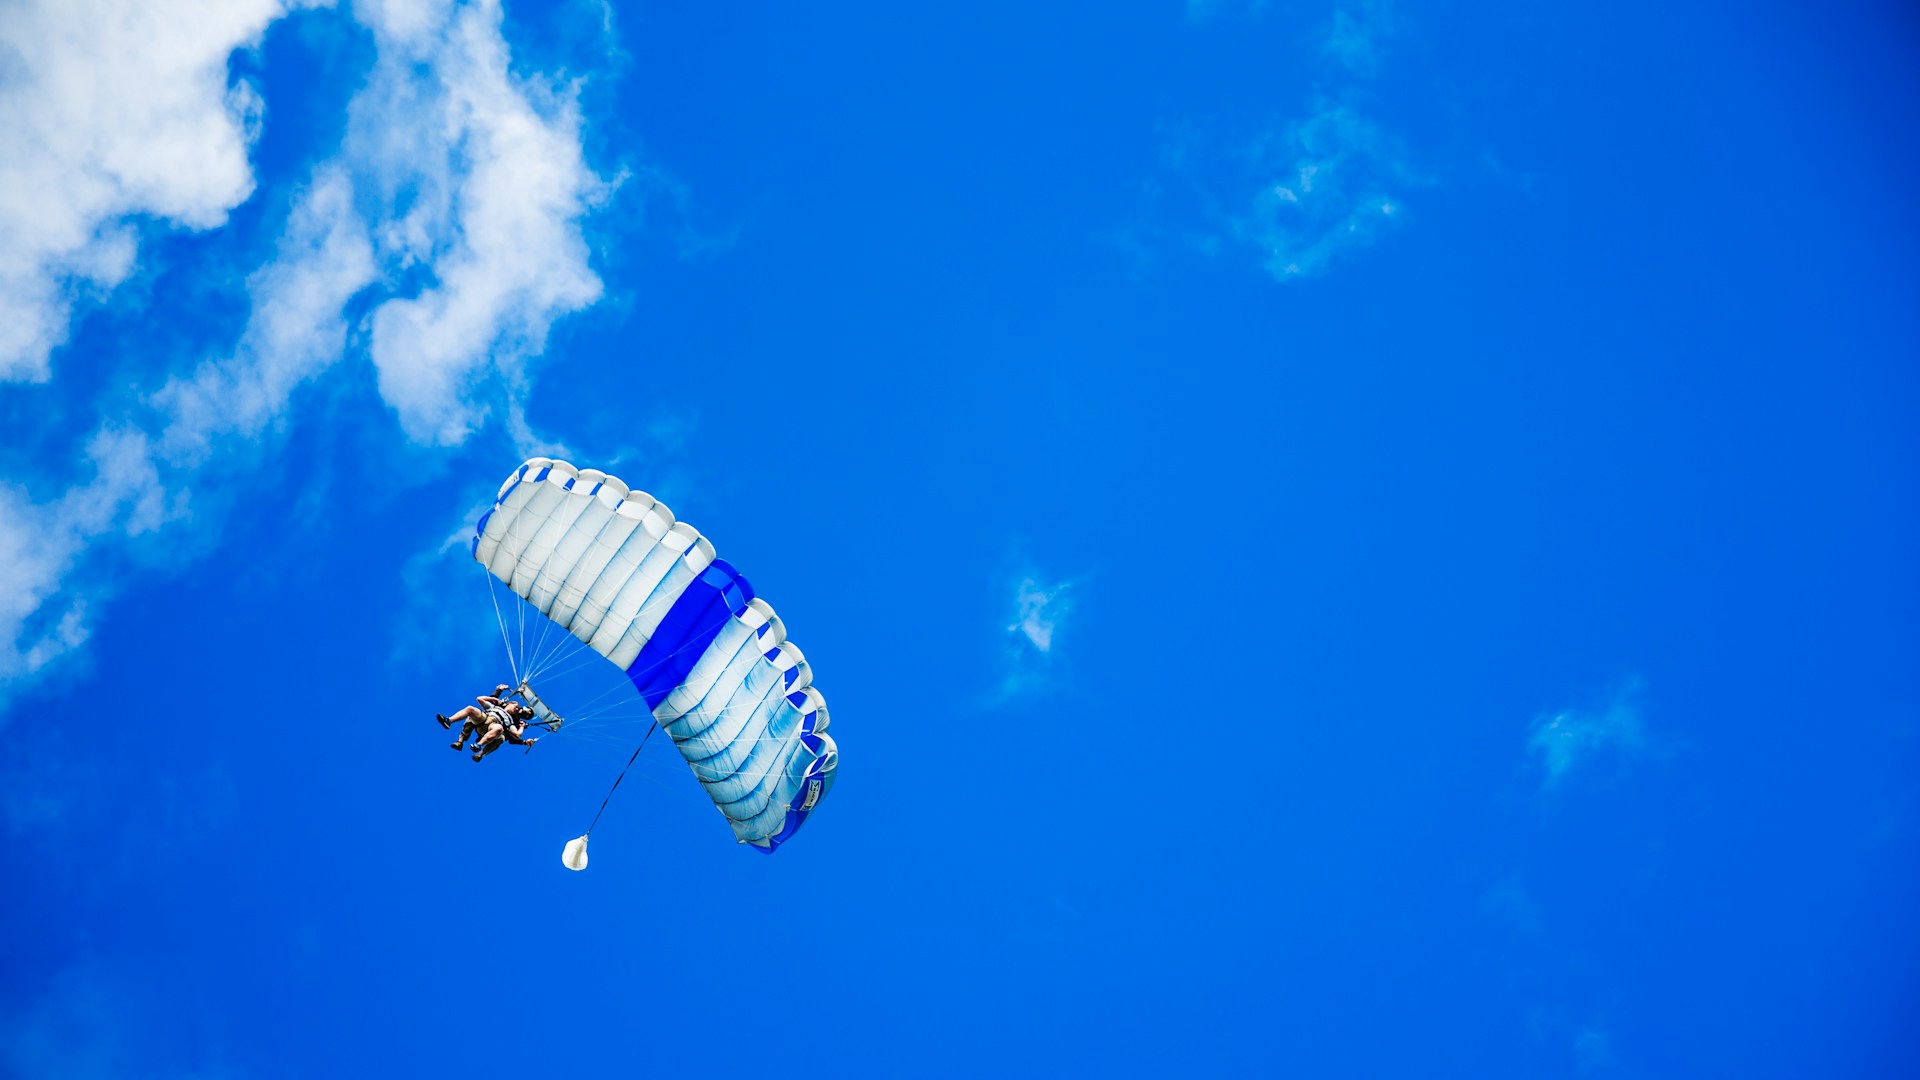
(508,728)
(489,708)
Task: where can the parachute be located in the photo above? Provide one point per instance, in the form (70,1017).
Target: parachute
(711,660)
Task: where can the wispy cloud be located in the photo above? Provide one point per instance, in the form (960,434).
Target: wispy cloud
(1358,37)
(1331,193)
(40,541)
(297,330)
(116,115)
(1040,611)
(93,1020)
(1574,738)
(1592,1049)
(1510,903)
(1587,1039)
(1335,178)
(1305,191)
(440,243)
(142,480)
(443,611)
(481,182)
(694,238)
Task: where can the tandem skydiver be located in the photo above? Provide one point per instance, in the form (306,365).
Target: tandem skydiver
(494,719)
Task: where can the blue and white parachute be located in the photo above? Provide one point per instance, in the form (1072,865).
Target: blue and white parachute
(712,661)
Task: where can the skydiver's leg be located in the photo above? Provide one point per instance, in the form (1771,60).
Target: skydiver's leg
(472,728)
(470,720)
(494,738)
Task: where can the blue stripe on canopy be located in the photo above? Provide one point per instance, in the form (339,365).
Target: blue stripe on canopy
(474,548)
(695,619)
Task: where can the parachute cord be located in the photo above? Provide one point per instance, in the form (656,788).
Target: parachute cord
(651,728)
(568,654)
(512,663)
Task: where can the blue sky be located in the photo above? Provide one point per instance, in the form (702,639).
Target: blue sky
(1341,539)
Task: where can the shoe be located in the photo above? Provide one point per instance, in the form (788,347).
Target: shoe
(478,756)
(444,722)
(457,745)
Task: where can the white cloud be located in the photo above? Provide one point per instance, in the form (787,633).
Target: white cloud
(297,329)
(34,554)
(1040,610)
(110,111)
(1305,191)
(1330,192)
(1572,738)
(40,542)
(479,180)
(1332,180)
(1359,34)
(459,191)
(487,181)
(140,482)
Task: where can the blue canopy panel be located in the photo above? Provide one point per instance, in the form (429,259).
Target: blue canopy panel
(612,567)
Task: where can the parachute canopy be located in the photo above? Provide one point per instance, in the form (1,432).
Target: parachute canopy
(711,660)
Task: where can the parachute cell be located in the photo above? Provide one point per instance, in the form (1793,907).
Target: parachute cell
(614,568)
